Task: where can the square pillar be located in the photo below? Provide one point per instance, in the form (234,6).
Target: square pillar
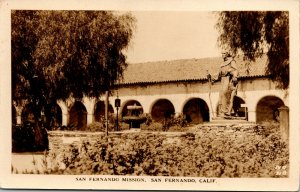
(19,115)
(89,118)
(251,116)
(19,120)
(65,118)
(284,122)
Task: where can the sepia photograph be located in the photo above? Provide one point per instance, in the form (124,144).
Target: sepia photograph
(144,99)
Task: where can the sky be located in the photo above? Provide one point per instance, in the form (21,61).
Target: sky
(171,35)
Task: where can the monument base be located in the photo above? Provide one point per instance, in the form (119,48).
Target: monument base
(229,120)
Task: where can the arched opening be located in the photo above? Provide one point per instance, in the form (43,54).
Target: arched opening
(99,113)
(124,111)
(78,116)
(28,113)
(13,115)
(237,109)
(53,114)
(267,109)
(162,109)
(196,111)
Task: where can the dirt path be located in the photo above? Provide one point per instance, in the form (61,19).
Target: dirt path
(26,162)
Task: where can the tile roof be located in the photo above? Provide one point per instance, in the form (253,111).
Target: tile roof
(187,70)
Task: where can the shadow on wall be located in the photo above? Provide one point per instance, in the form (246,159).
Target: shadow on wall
(267,109)
(100,111)
(162,109)
(196,111)
(78,116)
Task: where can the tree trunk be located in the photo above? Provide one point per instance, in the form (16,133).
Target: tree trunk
(40,133)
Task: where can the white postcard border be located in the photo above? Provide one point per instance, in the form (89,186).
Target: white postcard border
(8,180)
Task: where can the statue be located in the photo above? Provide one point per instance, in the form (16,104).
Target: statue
(228,74)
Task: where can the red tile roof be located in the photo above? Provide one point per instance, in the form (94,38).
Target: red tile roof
(187,70)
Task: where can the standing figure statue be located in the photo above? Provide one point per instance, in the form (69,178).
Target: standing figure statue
(228,74)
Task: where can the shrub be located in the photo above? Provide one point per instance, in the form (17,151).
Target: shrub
(154,126)
(100,126)
(268,127)
(199,154)
(95,126)
(23,138)
(169,124)
(180,121)
(148,119)
(123,126)
(176,123)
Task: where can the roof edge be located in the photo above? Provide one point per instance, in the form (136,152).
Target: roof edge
(185,80)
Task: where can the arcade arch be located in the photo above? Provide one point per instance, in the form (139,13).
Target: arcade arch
(77,116)
(237,107)
(196,111)
(99,112)
(124,110)
(53,114)
(267,109)
(162,109)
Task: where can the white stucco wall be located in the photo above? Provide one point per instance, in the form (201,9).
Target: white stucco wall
(179,93)
(251,91)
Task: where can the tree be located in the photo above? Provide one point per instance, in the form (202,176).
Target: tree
(61,54)
(256,33)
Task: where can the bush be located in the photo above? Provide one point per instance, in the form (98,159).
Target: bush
(148,119)
(100,126)
(199,154)
(23,138)
(170,124)
(268,127)
(96,126)
(123,126)
(154,126)
(176,123)
(176,128)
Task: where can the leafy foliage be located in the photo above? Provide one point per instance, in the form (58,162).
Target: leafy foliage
(95,126)
(231,152)
(169,124)
(255,33)
(72,53)
(100,126)
(154,126)
(179,122)
(24,140)
(61,54)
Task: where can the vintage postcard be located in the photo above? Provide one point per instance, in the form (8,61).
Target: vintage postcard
(148,95)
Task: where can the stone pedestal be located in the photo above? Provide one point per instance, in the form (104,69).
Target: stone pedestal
(227,122)
(284,121)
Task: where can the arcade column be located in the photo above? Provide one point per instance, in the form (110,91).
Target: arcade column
(284,122)
(19,115)
(90,116)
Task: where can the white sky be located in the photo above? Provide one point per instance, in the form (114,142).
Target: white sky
(170,35)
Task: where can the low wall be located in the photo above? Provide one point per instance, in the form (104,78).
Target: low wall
(59,139)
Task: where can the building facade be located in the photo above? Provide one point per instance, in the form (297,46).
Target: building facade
(169,88)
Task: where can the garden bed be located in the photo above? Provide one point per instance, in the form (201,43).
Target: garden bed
(206,151)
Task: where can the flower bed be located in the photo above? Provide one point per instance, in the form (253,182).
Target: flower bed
(223,151)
